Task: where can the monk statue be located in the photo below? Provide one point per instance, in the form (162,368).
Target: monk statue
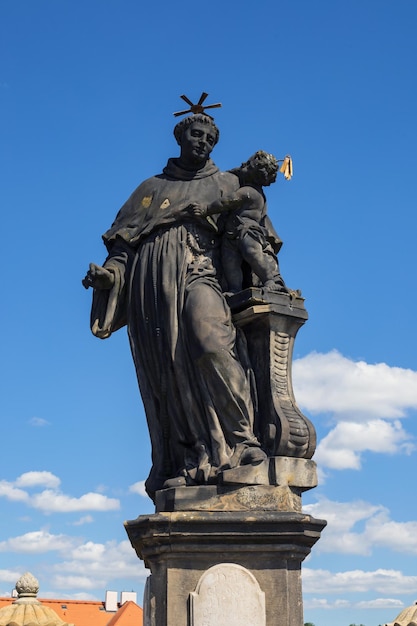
(163,279)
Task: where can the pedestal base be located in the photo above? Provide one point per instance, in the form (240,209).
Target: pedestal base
(275,484)
(215,568)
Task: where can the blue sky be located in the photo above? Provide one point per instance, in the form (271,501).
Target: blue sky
(87,92)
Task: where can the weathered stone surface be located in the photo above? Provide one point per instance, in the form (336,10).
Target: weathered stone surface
(279,470)
(227,595)
(246,475)
(149,603)
(217,498)
(179,547)
(300,473)
(275,484)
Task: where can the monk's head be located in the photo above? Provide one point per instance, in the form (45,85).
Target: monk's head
(196,135)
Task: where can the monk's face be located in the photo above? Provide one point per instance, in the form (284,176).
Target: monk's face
(197,142)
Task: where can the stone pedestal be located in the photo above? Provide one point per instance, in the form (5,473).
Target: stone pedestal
(224,568)
(230,553)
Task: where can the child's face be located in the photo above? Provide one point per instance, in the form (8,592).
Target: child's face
(261,174)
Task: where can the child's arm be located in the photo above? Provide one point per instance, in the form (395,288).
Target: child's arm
(227,203)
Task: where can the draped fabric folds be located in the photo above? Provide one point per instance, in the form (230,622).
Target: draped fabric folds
(167,289)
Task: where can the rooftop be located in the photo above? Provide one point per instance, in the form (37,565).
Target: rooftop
(90,613)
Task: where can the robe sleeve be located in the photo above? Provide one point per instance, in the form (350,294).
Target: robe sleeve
(109,307)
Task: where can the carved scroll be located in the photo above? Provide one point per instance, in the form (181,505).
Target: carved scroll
(270,322)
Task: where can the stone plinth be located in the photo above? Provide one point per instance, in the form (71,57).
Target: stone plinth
(275,484)
(254,556)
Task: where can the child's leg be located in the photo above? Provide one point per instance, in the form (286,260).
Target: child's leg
(262,261)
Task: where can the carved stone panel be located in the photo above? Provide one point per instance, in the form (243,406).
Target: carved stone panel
(270,322)
(227,595)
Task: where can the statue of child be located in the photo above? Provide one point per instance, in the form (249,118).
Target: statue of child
(248,234)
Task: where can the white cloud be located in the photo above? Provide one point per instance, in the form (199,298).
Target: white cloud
(70,596)
(74,582)
(92,565)
(341,448)
(86,519)
(323,603)
(89,566)
(353,389)
(376,528)
(358,581)
(51,501)
(36,479)
(89,551)
(397,536)
(342,516)
(380,603)
(38,422)
(139,488)
(10,492)
(37,542)
(9,576)
(362,399)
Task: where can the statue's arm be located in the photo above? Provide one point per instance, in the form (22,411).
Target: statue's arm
(230,202)
(109,283)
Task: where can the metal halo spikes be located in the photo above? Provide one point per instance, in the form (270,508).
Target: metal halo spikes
(199,107)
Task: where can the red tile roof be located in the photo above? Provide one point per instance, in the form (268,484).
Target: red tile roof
(90,613)
(129,614)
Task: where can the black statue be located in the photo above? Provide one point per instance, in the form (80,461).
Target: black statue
(248,234)
(171,249)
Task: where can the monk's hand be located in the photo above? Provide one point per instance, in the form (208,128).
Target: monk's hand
(98,277)
(197,209)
